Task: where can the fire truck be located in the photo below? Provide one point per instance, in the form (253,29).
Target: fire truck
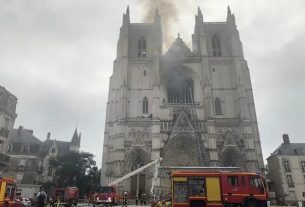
(7,191)
(107,195)
(65,196)
(192,188)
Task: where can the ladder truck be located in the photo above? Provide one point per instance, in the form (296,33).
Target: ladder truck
(107,195)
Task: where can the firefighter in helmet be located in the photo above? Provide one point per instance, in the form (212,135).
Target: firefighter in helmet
(124,199)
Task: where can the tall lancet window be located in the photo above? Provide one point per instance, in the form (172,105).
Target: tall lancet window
(142,47)
(145,105)
(216,46)
(218,106)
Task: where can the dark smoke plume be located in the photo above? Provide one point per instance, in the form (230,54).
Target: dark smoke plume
(169,17)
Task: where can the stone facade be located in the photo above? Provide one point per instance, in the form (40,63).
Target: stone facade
(287,172)
(7,119)
(190,107)
(29,159)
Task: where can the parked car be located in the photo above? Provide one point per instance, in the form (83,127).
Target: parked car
(26,202)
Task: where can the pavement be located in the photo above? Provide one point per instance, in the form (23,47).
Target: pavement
(90,205)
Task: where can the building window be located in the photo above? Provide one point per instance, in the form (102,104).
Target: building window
(144,73)
(22,163)
(25,149)
(286,166)
(53,150)
(10,103)
(142,47)
(19,177)
(303,166)
(290,181)
(9,148)
(145,105)
(50,170)
(218,106)
(6,123)
(216,46)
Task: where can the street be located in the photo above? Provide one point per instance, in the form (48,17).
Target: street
(87,205)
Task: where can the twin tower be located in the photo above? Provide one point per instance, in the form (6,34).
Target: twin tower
(190,106)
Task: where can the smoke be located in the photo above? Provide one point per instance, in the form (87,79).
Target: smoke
(169,17)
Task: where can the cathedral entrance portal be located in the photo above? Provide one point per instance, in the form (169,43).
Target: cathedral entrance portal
(182,150)
(231,157)
(137,184)
(137,158)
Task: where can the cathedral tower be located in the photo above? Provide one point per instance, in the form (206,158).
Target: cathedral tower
(191,107)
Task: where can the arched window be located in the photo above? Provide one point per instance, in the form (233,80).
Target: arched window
(218,106)
(216,46)
(10,148)
(142,47)
(145,105)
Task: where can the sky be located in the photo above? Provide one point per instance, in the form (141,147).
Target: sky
(56,57)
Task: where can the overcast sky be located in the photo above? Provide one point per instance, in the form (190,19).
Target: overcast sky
(56,56)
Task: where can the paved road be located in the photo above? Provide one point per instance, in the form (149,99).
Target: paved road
(89,205)
(86,205)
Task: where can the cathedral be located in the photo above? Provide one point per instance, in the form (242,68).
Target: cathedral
(190,106)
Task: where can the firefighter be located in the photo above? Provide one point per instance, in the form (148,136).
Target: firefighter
(124,199)
(137,198)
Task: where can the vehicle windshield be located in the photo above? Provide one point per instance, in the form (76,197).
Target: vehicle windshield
(10,191)
(105,189)
(257,183)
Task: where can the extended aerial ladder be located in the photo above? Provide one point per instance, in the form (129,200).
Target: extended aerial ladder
(196,128)
(137,171)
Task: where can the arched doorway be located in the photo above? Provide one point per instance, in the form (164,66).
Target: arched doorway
(135,159)
(181,150)
(231,157)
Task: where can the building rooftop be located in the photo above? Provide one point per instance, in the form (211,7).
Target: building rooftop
(287,148)
(24,135)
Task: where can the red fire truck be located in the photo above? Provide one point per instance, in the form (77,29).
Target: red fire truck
(65,196)
(201,188)
(7,192)
(105,195)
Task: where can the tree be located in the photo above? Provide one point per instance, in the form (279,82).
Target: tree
(76,169)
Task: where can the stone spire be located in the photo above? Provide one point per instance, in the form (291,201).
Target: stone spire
(157,17)
(199,16)
(75,138)
(230,17)
(228,11)
(126,17)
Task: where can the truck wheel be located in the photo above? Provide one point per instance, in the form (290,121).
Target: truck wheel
(251,203)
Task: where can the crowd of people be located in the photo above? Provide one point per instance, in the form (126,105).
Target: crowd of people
(142,198)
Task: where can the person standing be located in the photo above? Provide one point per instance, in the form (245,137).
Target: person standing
(137,199)
(41,198)
(124,199)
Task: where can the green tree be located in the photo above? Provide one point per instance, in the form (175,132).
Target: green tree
(76,169)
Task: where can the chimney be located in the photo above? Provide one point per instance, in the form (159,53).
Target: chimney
(30,131)
(286,139)
(20,130)
(48,135)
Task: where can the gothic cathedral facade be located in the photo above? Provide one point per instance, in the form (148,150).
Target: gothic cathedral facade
(192,107)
